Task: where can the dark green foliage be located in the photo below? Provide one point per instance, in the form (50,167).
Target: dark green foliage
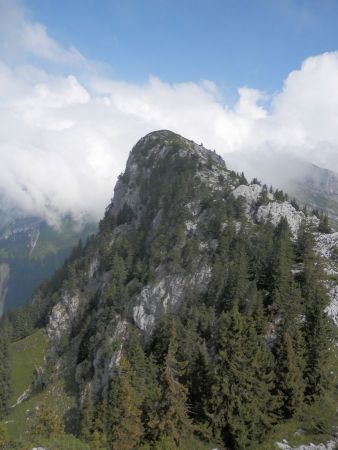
(289,377)
(324,226)
(225,363)
(124,416)
(242,402)
(316,327)
(5,380)
(173,421)
(87,416)
(280,196)
(285,293)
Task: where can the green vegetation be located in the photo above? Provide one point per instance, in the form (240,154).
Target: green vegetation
(27,357)
(234,365)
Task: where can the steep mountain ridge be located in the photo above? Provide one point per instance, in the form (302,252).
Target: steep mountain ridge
(188,240)
(142,200)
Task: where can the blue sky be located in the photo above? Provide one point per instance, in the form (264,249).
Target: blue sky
(232,42)
(82,81)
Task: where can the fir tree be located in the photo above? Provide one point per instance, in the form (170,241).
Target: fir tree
(87,415)
(242,404)
(125,417)
(324,226)
(173,420)
(289,377)
(317,329)
(200,383)
(285,293)
(238,277)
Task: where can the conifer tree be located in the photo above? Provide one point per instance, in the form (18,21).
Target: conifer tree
(284,290)
(242,404)
(173,420)
(238,276)
(262,257)
(318,340)
(145,380)
(316,326)
(125,417)
(289,377)
(324,226)
(200,383)
(87,416)
(261,379)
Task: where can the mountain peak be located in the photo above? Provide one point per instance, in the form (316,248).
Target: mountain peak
(154,164)
(160,143)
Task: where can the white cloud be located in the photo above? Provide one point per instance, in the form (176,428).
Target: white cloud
(63,141)
(21,37)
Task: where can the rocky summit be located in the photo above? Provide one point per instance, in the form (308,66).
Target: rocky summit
(199,316)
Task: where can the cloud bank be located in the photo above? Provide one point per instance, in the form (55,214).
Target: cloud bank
(66,129)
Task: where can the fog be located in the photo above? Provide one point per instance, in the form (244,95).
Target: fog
(67,128)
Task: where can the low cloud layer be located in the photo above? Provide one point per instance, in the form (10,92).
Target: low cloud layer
(66,130)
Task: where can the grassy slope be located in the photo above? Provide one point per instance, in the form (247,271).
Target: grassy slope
(26,355)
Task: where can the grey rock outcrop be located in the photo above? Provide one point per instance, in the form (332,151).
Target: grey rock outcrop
(4,278)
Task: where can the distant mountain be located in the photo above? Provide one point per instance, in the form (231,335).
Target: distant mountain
(317,188)
(30,251)
(311,185)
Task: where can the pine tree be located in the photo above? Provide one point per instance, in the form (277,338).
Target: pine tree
(316,326)
(285,293)
(242,404)
(238,277)
(87,416)
(145,382)
(125,417)
(318,338)
(173,420)
(200,382)
(324,226)
(262,257)
(261,379)
(289,377)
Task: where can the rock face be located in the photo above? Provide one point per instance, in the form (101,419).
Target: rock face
(62,319)
(311,185)
(4,277)
(327,248)
(331,445)
(161,216)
